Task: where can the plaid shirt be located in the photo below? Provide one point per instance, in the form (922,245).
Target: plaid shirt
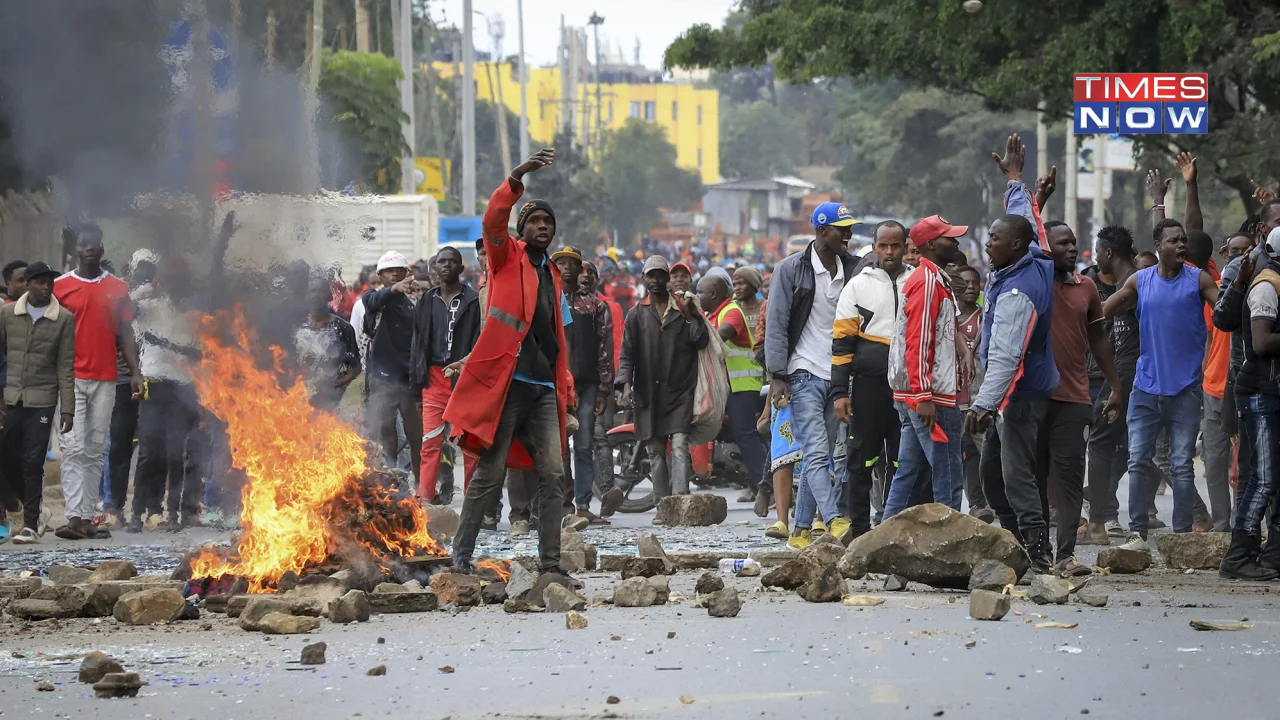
(584,302)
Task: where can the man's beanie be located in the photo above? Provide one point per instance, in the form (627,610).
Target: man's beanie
(527,209)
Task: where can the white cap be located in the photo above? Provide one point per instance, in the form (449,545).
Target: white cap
(1273,241)
(392,259)
(143,255)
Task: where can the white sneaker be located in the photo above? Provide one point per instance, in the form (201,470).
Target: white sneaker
(25,536)
(1135,542)
(519,527)
(46,521)
(1115,530)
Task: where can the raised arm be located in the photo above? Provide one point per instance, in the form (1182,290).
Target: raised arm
(1157,188)
(497,214)
(1192,220)
(1017,199)
(1124,300)
(1228,310)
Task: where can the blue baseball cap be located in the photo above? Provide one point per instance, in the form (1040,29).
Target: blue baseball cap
(832,213)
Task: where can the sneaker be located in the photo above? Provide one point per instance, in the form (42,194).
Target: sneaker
(747,496)
(1094,534)
(985,514)
(800,541)
(778,531)
(611,501)
(1116,530)
(567,579)
(25,536)
(819,528)
(1069,567)
(1155,523)
(842,530)
(1136,542)
(519,527)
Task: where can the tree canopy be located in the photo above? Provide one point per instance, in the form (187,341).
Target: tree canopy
(641,177)
(360,92)
(1013,55)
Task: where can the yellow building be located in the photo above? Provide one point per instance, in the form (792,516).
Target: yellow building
(690,115)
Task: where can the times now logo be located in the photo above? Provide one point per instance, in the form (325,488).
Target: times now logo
(1141,103)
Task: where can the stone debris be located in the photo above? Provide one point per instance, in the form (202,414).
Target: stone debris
(826,585)
(1049,590)
(635,592)
(313,654)
(494,593)
(1194,551)
(521,580)
(1092,599)
(116,685)
(662,585)
(645,567)
(724,603)
(534,595)
(456,589)
(96,665)
(413,586)
(292,603)
(351,607)
(1125,560)
(932,544)
(442,522)
(691,510)
(446,669)
(516,605)
(988,605)
(113,570)
(573,561)
(378,671)
(575,620)
(390,588)
(791,574)
(749,571)
(18,588)
(558,599)
(44,687)
(613,700)
(895,583)
(287,582)
(67,575)
(701,560)
(1220,626)
(148,607)
(992,575)
(825,550)
(408,602)
(283,624)
(650,547)
(862,600)
(708,582)
(259,606)
(30,609)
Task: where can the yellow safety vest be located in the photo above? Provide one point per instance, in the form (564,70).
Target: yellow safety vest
(745,374)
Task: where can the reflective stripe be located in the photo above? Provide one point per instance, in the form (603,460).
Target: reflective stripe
(507,319)
(745,374)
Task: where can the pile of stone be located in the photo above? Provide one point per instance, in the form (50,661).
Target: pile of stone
(114,588)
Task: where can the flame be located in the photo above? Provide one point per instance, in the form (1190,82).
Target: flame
(501,567)
(305,468)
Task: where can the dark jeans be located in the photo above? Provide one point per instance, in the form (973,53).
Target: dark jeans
(1260,435)
(173,450)
(388,398)
(584,472)
(1108,459)
(971,457)
(124,426)
(522,491)
(1179,416)
(743,408)
(529,416)
(11,487)
(1013,492)
(1060,468)
(602,454)
(872,435)
(26,430)
(918,450)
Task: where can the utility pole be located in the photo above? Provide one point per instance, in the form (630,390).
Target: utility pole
(566,88)
(596,21)
(433,102)
(524,83)
(468,114)
(362,26)
(1099,183)
(312,104)
(497,29)
(1071,161)
(402,28)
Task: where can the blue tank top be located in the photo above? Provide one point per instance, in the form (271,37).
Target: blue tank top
(1171,330)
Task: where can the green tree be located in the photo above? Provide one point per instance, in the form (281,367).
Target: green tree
(576,192)
(363,103)
(760,139)
(640,178)
(1015,54)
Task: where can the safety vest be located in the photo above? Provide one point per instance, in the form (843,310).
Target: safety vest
(745,374)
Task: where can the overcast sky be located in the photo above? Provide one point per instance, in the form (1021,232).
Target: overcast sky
(654,22)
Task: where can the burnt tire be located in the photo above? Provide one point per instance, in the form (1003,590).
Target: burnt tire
(631,474)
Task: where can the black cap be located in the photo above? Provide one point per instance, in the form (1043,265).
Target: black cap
(36,269)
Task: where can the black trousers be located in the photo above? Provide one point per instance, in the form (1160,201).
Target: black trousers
(1060,468)
(173,450)
(26,432)
(1009,458)
(124,427)
(11,492)
(971,456)
(386,399)
(873,434)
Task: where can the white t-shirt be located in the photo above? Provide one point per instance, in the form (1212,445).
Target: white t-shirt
(813,350)
(163,330)
(36,312)
(1263,301)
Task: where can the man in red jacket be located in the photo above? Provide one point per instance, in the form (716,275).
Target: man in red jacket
(514,389)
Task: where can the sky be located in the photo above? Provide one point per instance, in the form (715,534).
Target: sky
(654,22)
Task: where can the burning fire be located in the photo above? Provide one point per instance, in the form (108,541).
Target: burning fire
(309,488)
(501,567)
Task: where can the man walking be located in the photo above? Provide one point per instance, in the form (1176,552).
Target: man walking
(515,390)
(388,319)
(865,318)
(800,318)
(99,301)
(601,451)
(658,373)
(37,336)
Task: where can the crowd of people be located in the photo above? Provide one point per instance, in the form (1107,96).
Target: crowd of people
(857,386)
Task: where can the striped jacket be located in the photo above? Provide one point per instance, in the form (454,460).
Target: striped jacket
(922,355)
(865,316)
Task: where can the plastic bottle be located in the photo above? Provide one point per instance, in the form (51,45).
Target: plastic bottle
(730,565)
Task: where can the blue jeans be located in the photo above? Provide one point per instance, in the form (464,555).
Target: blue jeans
(584,471)
(813,420)
(1179,416)
(916,449)
(1259,433)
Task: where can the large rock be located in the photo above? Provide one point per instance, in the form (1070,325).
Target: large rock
(571,541)
(708,583)
(113,570)
(149,607)
(646,567)
(390,588)
(724,603)
(1049,590)
(352,607)
(1124,560)
(661,584)
(96,600)
(318,590)
(826,585)
(495,593)
(17,588)
(558,599)
(456,589)
(96,665)
(442,522)
(691,510)
(534,595)
(932,544)
(516,605)
(291,603)
(260,606)
(825,550)
(987,605)
(992,575)
(573,561)
(792,574)
(29,609)
(313,654)
(521,581)
(282,624)
(635,592)
(68,575)
(1196,551)
(407,602)
(650,546)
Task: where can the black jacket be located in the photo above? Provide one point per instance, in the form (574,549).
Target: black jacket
(790,300)
(392,315)
(465,333)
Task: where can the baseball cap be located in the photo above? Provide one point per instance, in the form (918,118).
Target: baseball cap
(684,265)
(832,213)
(37,269)
(568,251)
(656,262)
(392,259)
(934,227)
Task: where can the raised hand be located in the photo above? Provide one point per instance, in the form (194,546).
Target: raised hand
(1015,155)
(1262,194)
(1045,187)
(1186,162)
(1157,187)
(536,161)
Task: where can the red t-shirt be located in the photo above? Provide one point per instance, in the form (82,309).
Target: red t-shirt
(734,319)
(971,331)
(1075,306)
(99,306)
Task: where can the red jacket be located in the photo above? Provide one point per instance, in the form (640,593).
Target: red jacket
(481,391)
(615,315)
